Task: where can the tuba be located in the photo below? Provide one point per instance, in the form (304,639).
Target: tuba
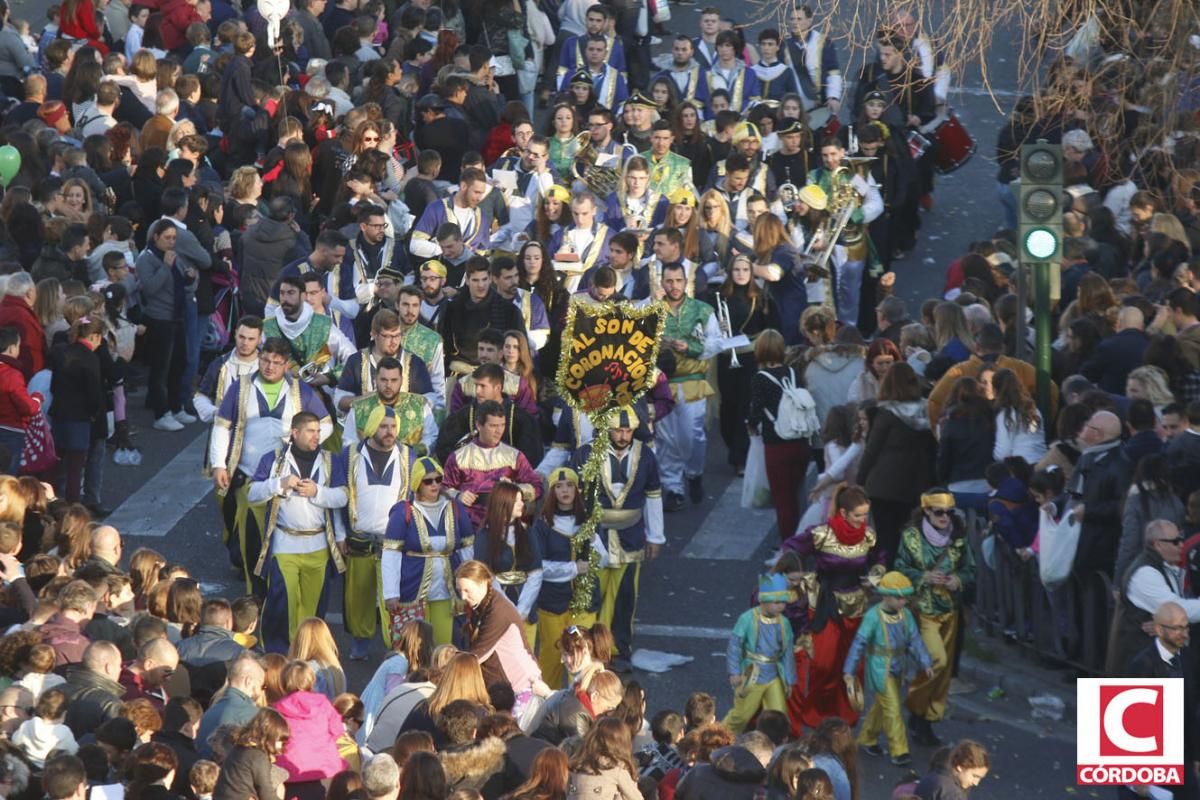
(321,364)
(843,199)
(601,181)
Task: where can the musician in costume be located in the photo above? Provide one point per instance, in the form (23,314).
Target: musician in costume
(571,56)
(811,55)
(515,387)
(573,429)
(629,278)
(302,550)
(521,429)
(631,525)
(423,342)
(667,249)
(905,30)
(844,549)
(893,171)
(535,177)
(730,73)
(889,638)
(608,82)
(506,277)
(385,295)
(857,275)
(669,171)
(313,340)
(505,543)
(634,205)
(254,416)
(759,659)
(434,295)
(474,469)
(637,119)
(329,251)
(414,413)
(358,376)
(705,45)
(776,78)
(426,539)
(791,162)
(372,250)
(688,75)
(807,233)
(936,556)
(563,562)
(600,132)
(376,475)
(463,209)
(747,142)
(582,245)
(315,295)
(241,361)
(734,188)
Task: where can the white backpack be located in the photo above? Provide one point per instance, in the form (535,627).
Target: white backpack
(797,418)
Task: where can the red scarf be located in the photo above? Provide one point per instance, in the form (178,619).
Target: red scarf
(846,533)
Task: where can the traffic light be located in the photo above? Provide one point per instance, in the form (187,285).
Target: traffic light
(1041,202)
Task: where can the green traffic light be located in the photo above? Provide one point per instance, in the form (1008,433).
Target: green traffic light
(1041,244)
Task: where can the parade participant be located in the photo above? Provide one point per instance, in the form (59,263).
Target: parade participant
(888,637)
(301,548)
(631,279)
(637,119)
(254,416)
(434,296)
(487,384)
(241,361)
(845,550)
(774,76)
(506,277)
(759,658)
(573,428)
(633,205)
(474,469)
(936,556)
(730,73)
(691,333)
(688,76)
(358,375)
(372,250)
(572,56)
(515,387)
(422,341)
(414,413)
(904,87)
(514,158)
(315,295)
(855,276)
(894,232)
(667,249)
(668,170)
(734,189)
(811,54)
(563,561)
(471,312)
(317,348)
(905,30)
(535,177)
(608,82)
(582,245)
(427,538)
(706,43)
(455,254)
(747,142)
(600,123)
(386,295)
(631,525)
(329,251)
(494,633)
(790,163)
(375,474)
(506,545)
(462,209)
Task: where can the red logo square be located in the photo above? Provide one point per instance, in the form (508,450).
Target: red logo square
(1131,720)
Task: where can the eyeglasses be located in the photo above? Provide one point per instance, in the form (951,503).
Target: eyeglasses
(1178,540)
(433,481)
(272,362)
(1175,628)
(370,139)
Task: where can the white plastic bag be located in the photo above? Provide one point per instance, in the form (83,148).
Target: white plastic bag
(755,491)
(1057,543)
(662,11)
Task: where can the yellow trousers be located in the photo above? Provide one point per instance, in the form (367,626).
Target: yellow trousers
(440,614)
(885,717)
(550,628)
(362,599)
(927,696)
(770,696)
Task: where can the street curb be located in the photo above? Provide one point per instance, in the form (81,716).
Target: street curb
(1019,679)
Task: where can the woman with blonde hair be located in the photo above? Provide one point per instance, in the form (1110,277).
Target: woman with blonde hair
(518,359)
(952,337)
(141,79)
(460,679)
(77,198)
(1148,382)
(681,215)
(144,565)
(49,307)
(246,188)
(314,645)
(715,226)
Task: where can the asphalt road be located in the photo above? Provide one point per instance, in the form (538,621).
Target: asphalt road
(687,601)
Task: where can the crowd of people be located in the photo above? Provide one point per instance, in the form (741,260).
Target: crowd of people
(335,234)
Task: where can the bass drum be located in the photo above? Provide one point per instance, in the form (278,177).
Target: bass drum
(955,146)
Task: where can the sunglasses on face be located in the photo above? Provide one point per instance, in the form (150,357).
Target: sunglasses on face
(436,479)
(940,512)
(1178,540)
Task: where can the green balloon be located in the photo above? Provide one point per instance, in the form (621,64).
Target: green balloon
(10,163)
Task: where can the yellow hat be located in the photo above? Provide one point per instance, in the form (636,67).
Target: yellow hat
(436,267)
(938,499)
(814,197)
(422,467)
(745,130)
(559,193)
(683,196)
(376,418)
(561,474)
(895,584)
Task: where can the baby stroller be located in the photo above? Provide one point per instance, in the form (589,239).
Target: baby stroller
(223,321)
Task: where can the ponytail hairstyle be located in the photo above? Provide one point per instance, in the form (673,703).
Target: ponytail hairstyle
(86,326)
(848,498)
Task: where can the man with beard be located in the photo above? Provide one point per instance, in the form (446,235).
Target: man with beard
(471,312)
(255,414)
(328,253)
(474,469)
(462,209)
(312,338)
(747,143)
(692,334)
(358,376)
(690,78)
(301,546)
(377,469)
(422,341)
(608,82)
(414,413)
(434,294)
(490,350)
(507,278)
(371,251)
(668,252)
(521,428)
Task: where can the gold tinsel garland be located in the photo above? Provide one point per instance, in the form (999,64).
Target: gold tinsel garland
(583,587)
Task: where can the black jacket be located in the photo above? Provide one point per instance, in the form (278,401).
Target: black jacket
(1100,481)
(1183,463)
(897,463)
(78,387)
(964,448)
(565,716)
(732,773)
(463,319)
(1114,358)
(264,249)
(236,92)
(94,699)
(185,750)
(940,785)
(449,138)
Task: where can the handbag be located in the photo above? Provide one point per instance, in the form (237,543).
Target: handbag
(38,453)
(756,492)
(1057,542)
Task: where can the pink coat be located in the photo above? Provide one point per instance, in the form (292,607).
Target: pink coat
(312,750)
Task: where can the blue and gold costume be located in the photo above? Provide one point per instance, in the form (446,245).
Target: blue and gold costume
(760,653)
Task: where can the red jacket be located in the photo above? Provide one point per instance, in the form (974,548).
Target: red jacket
(16,313)
(177,15)
(83,25)
(16,406)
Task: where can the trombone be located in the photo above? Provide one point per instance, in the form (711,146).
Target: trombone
(726,324)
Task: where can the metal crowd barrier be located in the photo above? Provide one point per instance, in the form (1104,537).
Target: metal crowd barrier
(1069,625)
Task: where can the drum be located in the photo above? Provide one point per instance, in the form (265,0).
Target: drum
(823,123)
(918,145)
(954,145)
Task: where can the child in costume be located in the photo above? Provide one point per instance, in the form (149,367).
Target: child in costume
(887,635)
(759,659)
